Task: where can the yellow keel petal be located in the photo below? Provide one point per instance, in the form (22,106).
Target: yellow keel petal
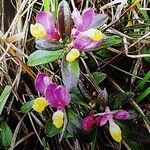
(115,131)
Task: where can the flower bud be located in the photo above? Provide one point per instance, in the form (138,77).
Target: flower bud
(58,119)
(72,55)
(37,30)
(87,123)
(39,104)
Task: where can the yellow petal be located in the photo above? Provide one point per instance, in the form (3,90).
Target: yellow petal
(39,104)
(115,131)
(72,55)
(58,119)
(94,34)
(37,30)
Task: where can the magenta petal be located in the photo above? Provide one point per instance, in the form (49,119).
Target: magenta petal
(87,18)
(88,123)
(121,115)
(41,82)
(98,120)
(105,118)
(53,36)
(77,20)
(46,20)
(50,95)
(62,95)
(81,42)
(92,44)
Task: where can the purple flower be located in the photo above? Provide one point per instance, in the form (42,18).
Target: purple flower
(57,96)
(85,34)
(45,27)
(108,116)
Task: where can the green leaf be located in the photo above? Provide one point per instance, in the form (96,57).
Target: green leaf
(110,40)
(98,76)
(5,134)
(105,53)
(42,57)
(70,73)
(47,44)
(3,98)
(77,99)
(50,129)
(74,118)
(119,99)
(46,5)
(67,135)
(27,107)
(143,82)
(143,95)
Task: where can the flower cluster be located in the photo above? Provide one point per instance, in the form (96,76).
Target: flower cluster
(101,119)
(84,34)
(54,95)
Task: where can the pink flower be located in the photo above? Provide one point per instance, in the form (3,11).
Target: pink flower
(108,116)
(45,27)
(56,96)
(85,34)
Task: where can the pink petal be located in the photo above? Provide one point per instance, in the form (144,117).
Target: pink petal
(88,123)
(62,95)
(46,20)
(81,42)
(77,20)
(93,44)
(41,82)
(98,120)
(87,18)
(53,36)
(105,118)
(107,109)
(50,95)
(121,115)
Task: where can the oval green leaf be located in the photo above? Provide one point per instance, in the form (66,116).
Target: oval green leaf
(27,107)
(42,57)
(5,134)
(50,129)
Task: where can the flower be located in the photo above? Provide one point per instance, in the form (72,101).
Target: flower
(45,27)
(85,34)
(39,104)
(108,116)
(56,96)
